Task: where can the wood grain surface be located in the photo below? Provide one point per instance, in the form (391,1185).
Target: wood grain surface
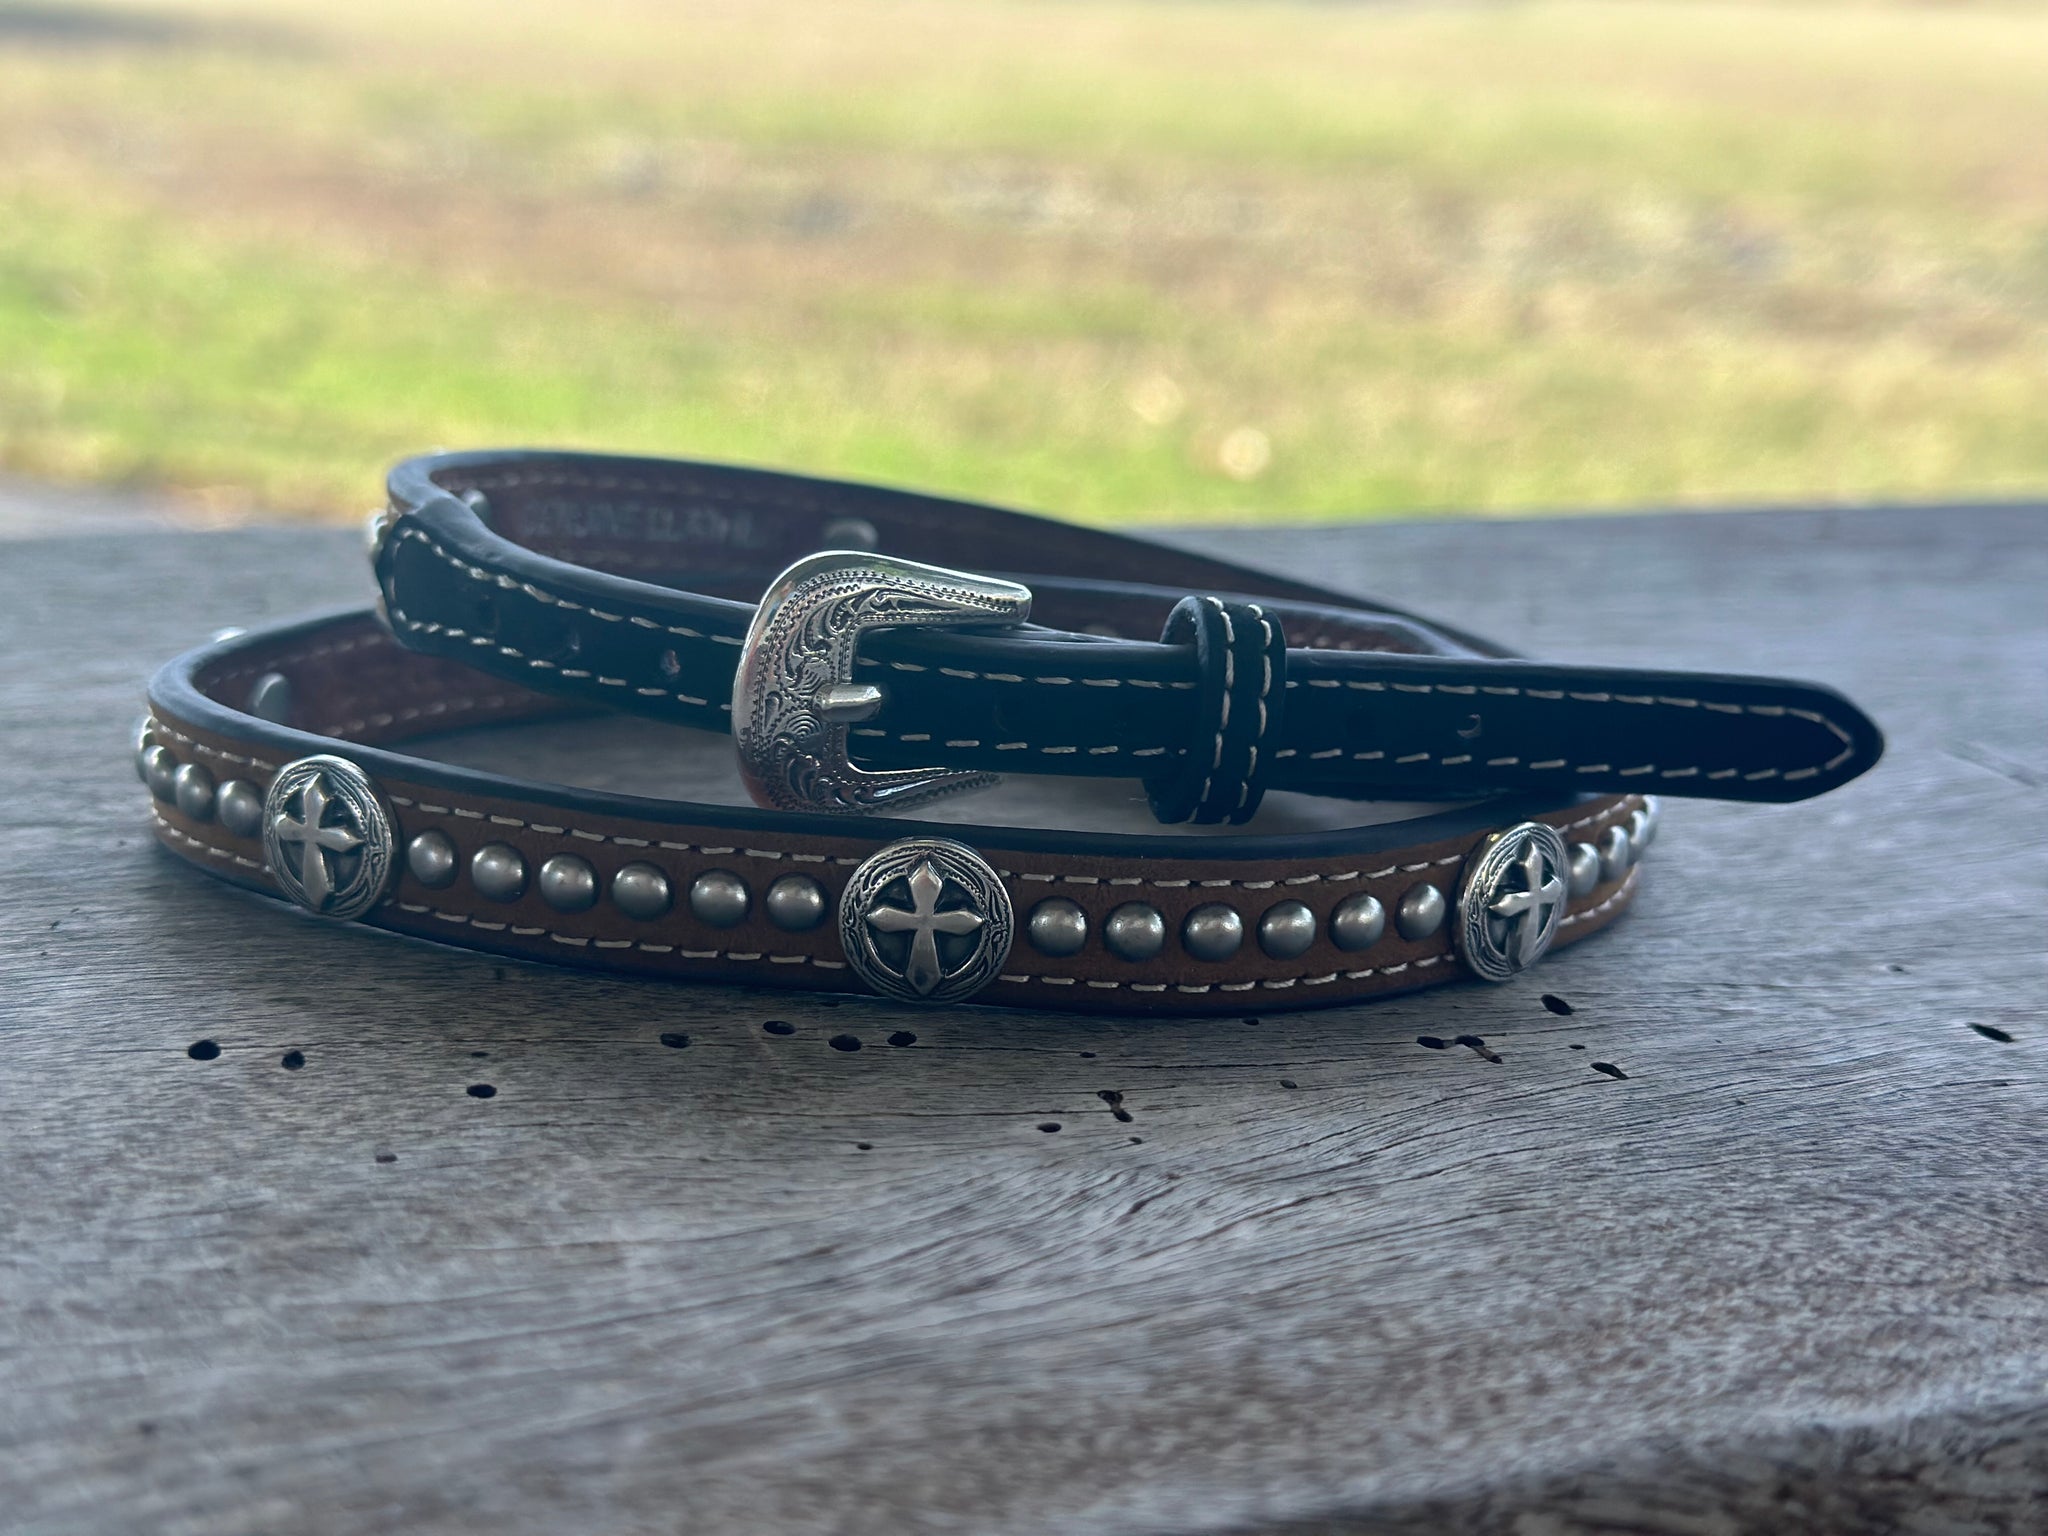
(1731,1221)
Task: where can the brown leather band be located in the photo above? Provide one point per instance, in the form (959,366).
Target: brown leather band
(353,691)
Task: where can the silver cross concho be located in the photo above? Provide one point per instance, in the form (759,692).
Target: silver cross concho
(923,969)
(926,920)
(328,836)
(1511,901)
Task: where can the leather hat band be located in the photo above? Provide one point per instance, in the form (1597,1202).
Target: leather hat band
(633,583)
(271,764)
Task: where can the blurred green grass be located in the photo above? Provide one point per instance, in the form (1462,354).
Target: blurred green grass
(1174,260)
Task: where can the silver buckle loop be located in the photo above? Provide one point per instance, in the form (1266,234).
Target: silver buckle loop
(794,694)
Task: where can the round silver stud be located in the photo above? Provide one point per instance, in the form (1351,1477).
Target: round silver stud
(641,891)
(193,787)
(498,871)
(1287,930)
(1420,913)
(1638,830)
(329,837)
(795,903)
(1213,931)
(1357,923)
(1616,853)
(718,897)
(160,772)
(1511,900)
(432,859)
(240,808)
(926,920)
(271,698)
(852,533)
(1058,927)
(568,883)
(1585,869)
(1653,814)
(1134,931)
(145,738)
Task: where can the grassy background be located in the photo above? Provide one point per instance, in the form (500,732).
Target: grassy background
(1169,259)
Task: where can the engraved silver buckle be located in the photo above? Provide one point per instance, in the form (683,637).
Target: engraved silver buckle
(794,696)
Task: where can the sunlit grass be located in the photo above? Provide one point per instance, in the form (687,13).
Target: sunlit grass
(1152,260)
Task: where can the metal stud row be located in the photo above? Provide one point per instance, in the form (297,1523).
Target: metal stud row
(237,803)
(1216,931)
(1617,849)
(569,883)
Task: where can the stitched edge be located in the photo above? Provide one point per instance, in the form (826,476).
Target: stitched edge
(200,747)
(970,675)
(348,729)
(1622,892)
(582,941)
(248,670)
(1551,695)
(1270,983)
(202,845)
(400,618)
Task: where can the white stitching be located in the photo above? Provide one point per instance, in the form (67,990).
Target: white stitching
(1769,711)
(653,949)
(205,751)
(1276,983)
(204,847)
(292,658)
(1621,893)
(478,573)
(351,729)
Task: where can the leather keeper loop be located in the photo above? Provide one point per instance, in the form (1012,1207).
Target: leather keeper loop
(1241,664)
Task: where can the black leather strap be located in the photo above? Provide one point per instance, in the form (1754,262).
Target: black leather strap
(629,583)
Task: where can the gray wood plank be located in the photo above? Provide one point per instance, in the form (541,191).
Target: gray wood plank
(1790,1273)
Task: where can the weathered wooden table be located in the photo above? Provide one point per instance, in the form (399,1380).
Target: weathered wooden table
(700,1264)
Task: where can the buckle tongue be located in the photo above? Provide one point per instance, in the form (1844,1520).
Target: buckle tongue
(794,694)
